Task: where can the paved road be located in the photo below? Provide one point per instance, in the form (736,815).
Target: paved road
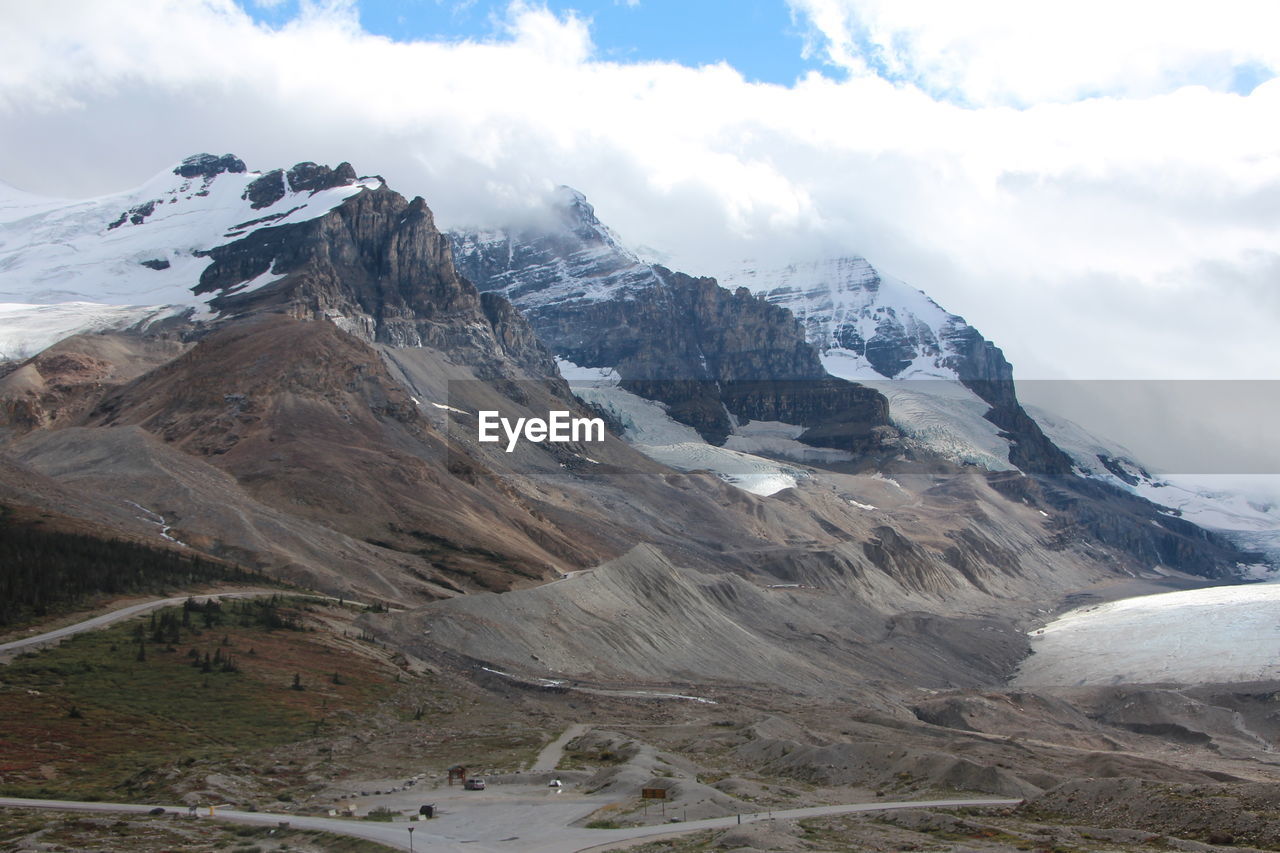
(669,830)
(504,829)
(554,751)
(102,621)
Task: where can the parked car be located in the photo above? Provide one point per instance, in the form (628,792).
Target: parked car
(474,784)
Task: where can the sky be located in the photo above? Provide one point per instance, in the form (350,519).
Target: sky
(1094,185)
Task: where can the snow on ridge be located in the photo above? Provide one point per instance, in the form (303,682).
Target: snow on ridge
(573,258)
(1244,510)
(841,301)
(128,253)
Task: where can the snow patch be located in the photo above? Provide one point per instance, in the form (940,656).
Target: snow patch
(652,431)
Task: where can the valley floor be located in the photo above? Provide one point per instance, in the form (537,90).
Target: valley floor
(315,714)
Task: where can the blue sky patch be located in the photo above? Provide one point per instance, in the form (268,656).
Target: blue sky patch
(756,37)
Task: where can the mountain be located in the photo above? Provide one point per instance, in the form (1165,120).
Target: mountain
(308,406)
(129,258)
(711,355)
(597,304)
(811,544)
(872,327)
(629,332)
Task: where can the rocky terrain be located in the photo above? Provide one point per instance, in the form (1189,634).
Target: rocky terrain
(305,403)
(706,352)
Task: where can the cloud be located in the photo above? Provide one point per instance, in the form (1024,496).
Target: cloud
(1111,236)
(1020,53)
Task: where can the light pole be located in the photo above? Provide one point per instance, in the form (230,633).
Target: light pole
(411,839)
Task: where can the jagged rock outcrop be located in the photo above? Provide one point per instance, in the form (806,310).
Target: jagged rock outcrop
(266,190)
(709,353)
(312,177)
(209,166)
(377,266)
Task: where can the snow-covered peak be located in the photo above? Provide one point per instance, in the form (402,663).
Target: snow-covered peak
(867,325)
(578,216)
(147,247)
(571,258)
(574,203)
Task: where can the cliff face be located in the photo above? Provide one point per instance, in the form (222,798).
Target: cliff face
(710,354)
(378,267)
(982,368)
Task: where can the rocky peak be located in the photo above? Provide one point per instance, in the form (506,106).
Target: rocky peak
(266,190)
(311,177)
(869,326)
(578,216)
(375,264)
(708,353)
(209,166)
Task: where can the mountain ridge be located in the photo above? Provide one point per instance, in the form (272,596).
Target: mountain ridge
(332,378)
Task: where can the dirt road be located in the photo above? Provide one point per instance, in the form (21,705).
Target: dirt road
(491,826)
(554,751)
(8,650)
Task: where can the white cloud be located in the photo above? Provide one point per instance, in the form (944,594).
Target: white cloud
(1131,235)
(1020,53)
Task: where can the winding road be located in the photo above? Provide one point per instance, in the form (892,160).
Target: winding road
(506,826)
(7,650)
(530,821)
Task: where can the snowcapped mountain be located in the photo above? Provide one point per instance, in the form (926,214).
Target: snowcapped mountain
(570,257)
(861,326)
(138,256)
(321,417)
(763,372)
(1246,511)
(949,391)
(878,330)
(867,325)
(712,356)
